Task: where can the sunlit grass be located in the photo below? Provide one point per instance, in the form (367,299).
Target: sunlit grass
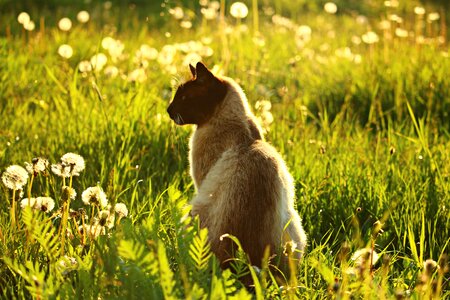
(358,106)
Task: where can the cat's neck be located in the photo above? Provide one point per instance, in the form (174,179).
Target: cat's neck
(228,128)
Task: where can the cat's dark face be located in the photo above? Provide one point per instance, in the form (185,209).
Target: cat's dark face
(196,100)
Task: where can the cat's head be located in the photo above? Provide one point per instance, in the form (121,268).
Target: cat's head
(196,100)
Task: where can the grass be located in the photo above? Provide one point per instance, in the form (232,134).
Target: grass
(366,141)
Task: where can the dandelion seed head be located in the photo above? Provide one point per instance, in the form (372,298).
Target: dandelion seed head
(147,52)
(384,25)
(85,66)
(29,26)
(430,266)
(121,209)
(65,24)
(361,20)
(238,10)
(362,256)
(65,51)
(74,161)
(330,7)
(105,219)
(395,18)
(98,61)
(23,18)
(209,13)
(370,37)
(60,170)
(434,16)
(83,16)
(46,204)
(15,177)
(186,24)
(214,5)
(94,196)
(38,165)
(93,231)
(137,75)
(419,10)
(111,71)
(356,40)
(177,12)
(401,33)
(263,105)
(32,202)
(68,193)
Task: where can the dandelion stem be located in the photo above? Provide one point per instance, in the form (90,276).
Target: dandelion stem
(13,210)
(29,189)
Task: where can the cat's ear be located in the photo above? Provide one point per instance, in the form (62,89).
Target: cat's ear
(191,67)
(202,72)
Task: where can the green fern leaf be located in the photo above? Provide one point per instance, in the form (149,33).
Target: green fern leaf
(165,273)
(200,250)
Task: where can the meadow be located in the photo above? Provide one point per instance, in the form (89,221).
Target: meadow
(354,94)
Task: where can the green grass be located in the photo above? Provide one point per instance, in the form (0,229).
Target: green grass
(365,142)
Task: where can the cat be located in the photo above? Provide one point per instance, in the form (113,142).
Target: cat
(243,185)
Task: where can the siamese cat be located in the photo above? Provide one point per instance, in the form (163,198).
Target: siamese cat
(243,185)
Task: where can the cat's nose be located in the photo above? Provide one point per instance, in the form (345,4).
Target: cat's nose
(169,111)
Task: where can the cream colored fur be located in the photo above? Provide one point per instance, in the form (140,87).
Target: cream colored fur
(243,185)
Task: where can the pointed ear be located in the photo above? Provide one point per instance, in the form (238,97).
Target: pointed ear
(203,74)
(191,67)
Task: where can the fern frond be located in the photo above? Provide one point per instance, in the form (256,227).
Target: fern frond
(165,273)
(200,250)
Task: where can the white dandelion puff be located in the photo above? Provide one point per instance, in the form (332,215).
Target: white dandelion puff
(38,165)
(23,18)
(147,52)
(15,177)
(29,26)
(46,203)
(106,219)
(65,51)
(31,202)
(68,193)
(121,209)
(400,32)
(60,170)
(330,7)
(85,66)
(370,37)
(98,61)
(186,24)
(434,16)
(363,256)
(419,10)
(65,24)
(94,196)
(210,13)
(137,75)
(83,16)
(111,71)
(238,10)
(74,161)
(177,12)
